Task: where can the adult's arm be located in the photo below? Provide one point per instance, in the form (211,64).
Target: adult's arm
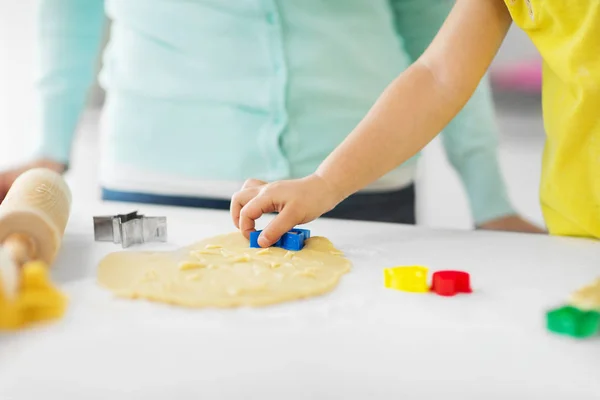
(69,38)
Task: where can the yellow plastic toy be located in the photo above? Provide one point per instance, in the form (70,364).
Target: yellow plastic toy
(38,300)
(408,279)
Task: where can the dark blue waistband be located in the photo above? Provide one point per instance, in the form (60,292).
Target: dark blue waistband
(165,200)
(393,206)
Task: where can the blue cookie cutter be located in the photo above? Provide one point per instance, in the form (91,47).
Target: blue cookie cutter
(292,240)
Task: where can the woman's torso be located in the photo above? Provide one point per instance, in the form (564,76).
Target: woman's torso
(567,34)
(218,91)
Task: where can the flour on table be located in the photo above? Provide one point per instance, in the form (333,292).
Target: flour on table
(224,271)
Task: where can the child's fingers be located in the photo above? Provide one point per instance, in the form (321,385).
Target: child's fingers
(252,211)
(252,183)
(239,200)
(283,222)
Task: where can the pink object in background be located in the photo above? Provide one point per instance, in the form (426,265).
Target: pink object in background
(521,77)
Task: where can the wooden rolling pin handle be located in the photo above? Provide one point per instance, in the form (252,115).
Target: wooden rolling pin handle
(21,247)
(33,216)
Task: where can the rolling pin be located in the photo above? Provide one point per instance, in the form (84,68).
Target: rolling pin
(33,217)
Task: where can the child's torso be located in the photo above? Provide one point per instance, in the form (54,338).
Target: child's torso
(567,35)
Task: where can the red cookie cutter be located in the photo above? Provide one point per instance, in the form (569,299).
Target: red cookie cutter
(449,283)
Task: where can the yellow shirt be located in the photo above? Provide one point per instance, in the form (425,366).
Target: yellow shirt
(567,35)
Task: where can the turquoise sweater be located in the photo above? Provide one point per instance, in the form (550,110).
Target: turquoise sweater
(203,94)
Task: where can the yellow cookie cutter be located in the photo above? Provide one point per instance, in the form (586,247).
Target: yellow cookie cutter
(37,300)
(408,278)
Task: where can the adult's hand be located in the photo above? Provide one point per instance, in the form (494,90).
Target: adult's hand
(7,177)
(511,223)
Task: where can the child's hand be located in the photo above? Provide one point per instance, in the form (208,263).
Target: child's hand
(297,201)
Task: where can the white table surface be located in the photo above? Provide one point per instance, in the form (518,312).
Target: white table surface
(361,341)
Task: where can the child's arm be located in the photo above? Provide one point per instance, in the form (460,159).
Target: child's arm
(471,138)
(423,100)
(411,111)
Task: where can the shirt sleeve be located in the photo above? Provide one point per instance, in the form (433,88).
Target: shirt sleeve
(69,38)
(471,138)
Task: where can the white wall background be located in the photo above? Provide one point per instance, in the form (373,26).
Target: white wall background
(17,123)
(442,202)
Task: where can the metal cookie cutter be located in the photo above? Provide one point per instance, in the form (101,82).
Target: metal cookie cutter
(130,229)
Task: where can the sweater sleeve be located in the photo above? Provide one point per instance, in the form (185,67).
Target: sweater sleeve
(69,39)
(471,138)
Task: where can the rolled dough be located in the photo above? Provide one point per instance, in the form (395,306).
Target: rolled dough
(224,271)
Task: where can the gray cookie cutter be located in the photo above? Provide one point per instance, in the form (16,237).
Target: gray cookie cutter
(130,229)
